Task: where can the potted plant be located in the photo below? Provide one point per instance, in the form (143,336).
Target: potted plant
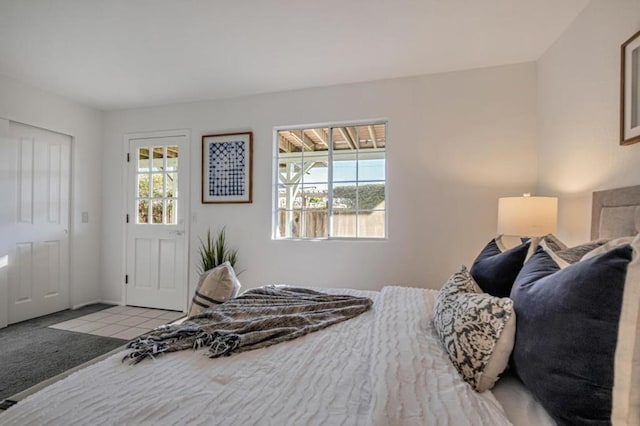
(214,252)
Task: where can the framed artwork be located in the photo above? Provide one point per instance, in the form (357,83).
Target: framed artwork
(227,168)
(630,91)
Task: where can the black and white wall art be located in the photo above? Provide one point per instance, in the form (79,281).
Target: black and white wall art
(226,168)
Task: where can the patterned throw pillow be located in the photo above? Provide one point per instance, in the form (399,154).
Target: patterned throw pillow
(216,286)
(476,329)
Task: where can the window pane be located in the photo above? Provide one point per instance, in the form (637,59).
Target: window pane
(371,137)
(143,159)
(171,212)
(315,223)
(289,141)
(158,183)
(143,211)
(315,196)
(289,225)
(156,211)
(172,185)
(345,196)
(316,168)
(289,197)
(371,166)
(316,139)
(344,139)
(371,196)
(371,224)
(158,158)
(345,167)
(143,185)
(344,223)
(290,168)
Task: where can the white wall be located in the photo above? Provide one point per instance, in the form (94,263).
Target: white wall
(456,142)
(26,104)
(578,113)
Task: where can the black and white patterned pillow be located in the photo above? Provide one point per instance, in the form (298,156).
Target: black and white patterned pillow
(476,329)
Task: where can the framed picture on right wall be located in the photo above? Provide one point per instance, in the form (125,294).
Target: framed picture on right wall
(630,91)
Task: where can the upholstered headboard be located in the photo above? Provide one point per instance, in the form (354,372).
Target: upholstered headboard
(616,213)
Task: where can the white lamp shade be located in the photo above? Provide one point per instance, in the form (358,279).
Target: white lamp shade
(527,216)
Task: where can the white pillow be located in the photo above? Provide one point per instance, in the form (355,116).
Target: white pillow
(216,286)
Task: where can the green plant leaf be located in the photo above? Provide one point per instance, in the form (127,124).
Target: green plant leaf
(214,252)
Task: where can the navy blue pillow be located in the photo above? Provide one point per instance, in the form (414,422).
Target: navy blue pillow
(495,270)
(567,333)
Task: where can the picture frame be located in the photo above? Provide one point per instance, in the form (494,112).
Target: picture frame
(630,91)
(227,168)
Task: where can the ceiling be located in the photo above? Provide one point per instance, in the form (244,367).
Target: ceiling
(114,54)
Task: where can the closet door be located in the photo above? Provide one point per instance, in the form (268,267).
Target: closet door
(35,220)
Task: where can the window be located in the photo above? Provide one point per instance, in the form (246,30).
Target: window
(331,181)
(156,185)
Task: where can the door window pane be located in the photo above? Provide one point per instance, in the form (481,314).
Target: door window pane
(143,185)
(171,212)
(172,185)
(172,158)
(156,211)
(143,159)
(158,158)
(143,211)
(158,183)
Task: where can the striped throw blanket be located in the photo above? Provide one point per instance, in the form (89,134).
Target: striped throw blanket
(258,318)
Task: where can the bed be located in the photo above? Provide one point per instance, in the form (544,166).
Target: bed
(384,367)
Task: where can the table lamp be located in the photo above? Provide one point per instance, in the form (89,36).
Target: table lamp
(527,216)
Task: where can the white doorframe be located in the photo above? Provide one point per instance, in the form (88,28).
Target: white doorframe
(128,137)
(4,257)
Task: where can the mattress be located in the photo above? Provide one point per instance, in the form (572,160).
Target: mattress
(383,367)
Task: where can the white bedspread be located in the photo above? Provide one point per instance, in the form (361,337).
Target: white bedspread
(385,367)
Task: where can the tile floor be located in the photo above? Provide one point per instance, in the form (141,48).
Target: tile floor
(121,322)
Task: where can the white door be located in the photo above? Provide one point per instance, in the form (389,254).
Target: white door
(34,214)
(156,257)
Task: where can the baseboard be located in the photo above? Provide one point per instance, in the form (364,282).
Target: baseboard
(80,305)
(111,302)
(106,302)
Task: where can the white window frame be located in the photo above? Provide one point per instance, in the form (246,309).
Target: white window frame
(275,185)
